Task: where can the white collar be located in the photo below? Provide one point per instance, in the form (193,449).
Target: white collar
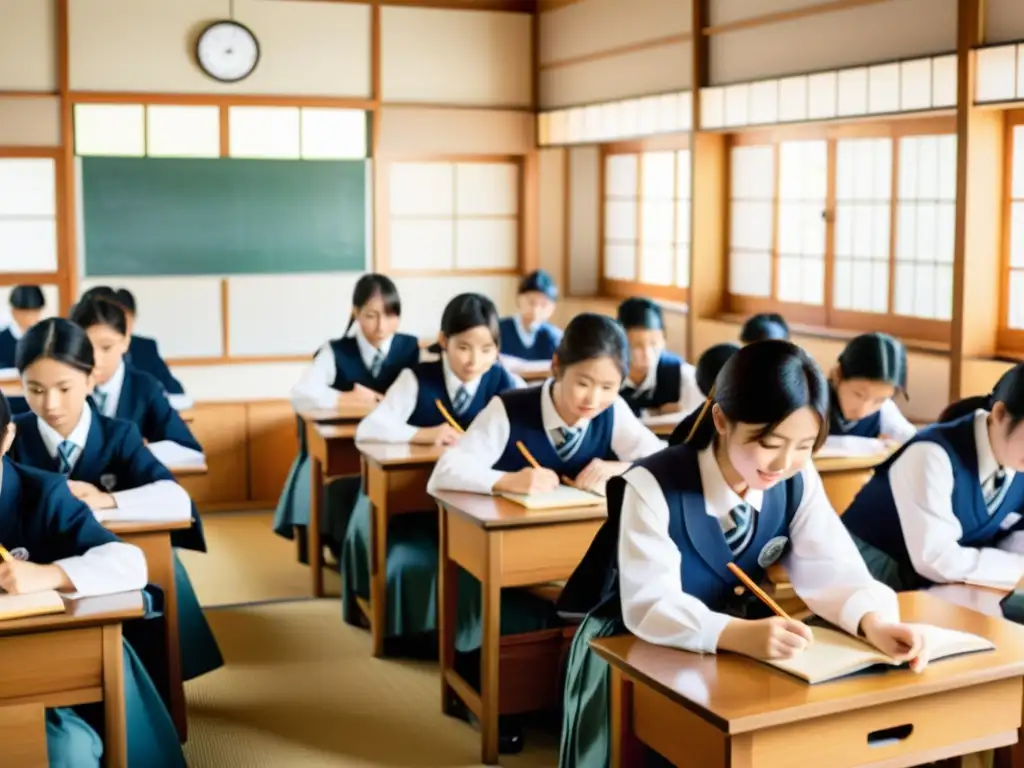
(16,330)
(649,382)
(453,382)
(367,351)
(115,382)
(549,414)
(79,435)
(526,335)
(719,498)
(987,464)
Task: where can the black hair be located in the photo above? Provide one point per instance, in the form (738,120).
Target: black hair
(961,408)
(764,326)
(99,292)
(762,383)
(100,311)
(5,415)
(56,339)
(467,311)
(370,285)
(539,281)
(126,299)
(642,313)
(589,336)
(710,363)
(876,357)
(27,297)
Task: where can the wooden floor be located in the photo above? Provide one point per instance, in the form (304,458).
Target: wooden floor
(300,687)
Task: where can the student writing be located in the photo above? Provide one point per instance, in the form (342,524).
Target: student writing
(709,364)
(528,335)
(871,370)
(947,506)
(26,303)
(740,490)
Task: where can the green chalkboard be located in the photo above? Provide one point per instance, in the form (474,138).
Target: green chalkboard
(171,216)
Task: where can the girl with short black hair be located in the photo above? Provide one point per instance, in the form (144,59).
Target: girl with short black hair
(27,304)
(871,370)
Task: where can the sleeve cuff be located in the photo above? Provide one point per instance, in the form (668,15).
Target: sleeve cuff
(714,625)
(879,599)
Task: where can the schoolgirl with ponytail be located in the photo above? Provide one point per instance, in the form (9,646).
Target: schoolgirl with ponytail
(740,489)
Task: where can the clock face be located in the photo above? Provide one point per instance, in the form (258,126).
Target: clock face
(227,51)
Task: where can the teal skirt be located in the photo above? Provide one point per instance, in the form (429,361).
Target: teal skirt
(199,650)
(412,583)
(897,576)
(73,734)
(293,507)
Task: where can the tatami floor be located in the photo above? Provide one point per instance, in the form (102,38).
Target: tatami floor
(300,687)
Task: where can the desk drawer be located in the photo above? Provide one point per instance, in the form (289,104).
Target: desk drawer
(55,668)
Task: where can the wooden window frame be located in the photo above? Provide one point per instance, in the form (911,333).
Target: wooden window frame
(624,289)
(826,316)
(1009,340)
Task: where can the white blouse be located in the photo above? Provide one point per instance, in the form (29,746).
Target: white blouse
(314,389)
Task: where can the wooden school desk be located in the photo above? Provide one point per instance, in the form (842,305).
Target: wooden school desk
(395,478)
(154,539)
(10,385)
(738,712)
(63,660)
(843,477)
(504,545)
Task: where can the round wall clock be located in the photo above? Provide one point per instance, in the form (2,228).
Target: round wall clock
(227,51)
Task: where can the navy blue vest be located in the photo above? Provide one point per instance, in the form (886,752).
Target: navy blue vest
(39,515)
(144,354)
(7,346)
(869,426)
(350,369)
(668,386)
(144,403)
(430,377)
(872,516)
(699,537)
(526,423)
(114,459)
(545,341)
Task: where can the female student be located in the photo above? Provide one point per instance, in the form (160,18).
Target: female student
(709,364)
(349,370)
(27,303)
(870,371)
(105,461)
(947,506)
(528,335)
(658,381)
(123,391)
(764,326)
(574,425)
(741,489)
(56,543)
(463,380)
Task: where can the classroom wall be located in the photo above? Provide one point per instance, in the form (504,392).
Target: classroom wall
(1004,21)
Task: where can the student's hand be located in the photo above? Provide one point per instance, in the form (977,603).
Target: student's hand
(80,489)
(443,434)
(93,497)
(20,578)
(904,642)
(528,481)
(772,638)
(596,474)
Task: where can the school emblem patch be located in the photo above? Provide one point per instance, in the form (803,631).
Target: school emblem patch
(19,553)
(772,551)
(109,482)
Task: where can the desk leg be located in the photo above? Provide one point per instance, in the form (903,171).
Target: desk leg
(378,575)
(447,609)
(315,545)
(115,741)
(626,750)
(490,651)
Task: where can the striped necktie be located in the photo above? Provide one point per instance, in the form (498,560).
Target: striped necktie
(377,363)
(738,539)
(66,452)
(101,400)
(461,401)
(995,490)
(571,439)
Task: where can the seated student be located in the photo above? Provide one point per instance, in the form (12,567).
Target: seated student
(106,463)
(528,335)
(352,369)
(742,489)
(58,544)
(764,326)
(27,304)
(464,380)
(658,381)
(870,371)
(947,506)
(122,391)
(709,364)
(574,424)
(143,352)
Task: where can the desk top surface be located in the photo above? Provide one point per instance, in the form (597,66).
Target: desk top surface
(108,609)
(351,412)
(327,431)
(122,527)
(738,694)
(498,512)
(828,464)
(399,454)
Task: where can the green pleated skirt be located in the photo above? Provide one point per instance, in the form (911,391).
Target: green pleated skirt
(199,650)
(412,583)
(73,733)
(293,507)
(897,576)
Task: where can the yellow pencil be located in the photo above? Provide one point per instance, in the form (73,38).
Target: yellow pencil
(535,464)
(5,555)
(760,593)
(448,416)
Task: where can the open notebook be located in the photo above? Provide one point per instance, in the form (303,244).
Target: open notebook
(562,496)
(174,456)
(850,446)
(35,604)
(835,654)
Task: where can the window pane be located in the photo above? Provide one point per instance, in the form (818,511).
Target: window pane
(750,273)
(487,189)
(790,279)
(683,265)
(751,225)
(265,132)
(813,270)
(620,220)
(842,284)
(28,187)
(1018,161)
(422,189)
(753,173)
(682,221)
(944,292)
(620,261)
(924,290)
(176,131)
(657,221)
(110,129)
(333,134)
(802,171)
(620,176)
(657,264)
(658,178)
(683,173)
(1016,318)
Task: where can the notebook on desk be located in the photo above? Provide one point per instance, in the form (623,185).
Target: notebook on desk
(562,496)
(35,604)
(835,654)
(850,446)
(174,456)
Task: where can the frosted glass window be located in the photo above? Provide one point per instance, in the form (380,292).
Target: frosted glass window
(176,131)
(621,176)
(1020,71)
(803,168)
(752,191)
(996,74)
(737,105)
(28,224)
(486,243)
(916,84)
(712,107)
(685,103)
(333,134)
(544,128)
(422,189)
(793,93)
(764,102)
(264,132)
(487,189)
(884,88)
(821,95)
(110,129)
(421,244)
(558,127)
(853,91)
(1015,308)
(574,126)
(925,221)
(944,81)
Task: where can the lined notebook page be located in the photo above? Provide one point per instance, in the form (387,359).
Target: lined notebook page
(172,455)
(562,496)
(35,604)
